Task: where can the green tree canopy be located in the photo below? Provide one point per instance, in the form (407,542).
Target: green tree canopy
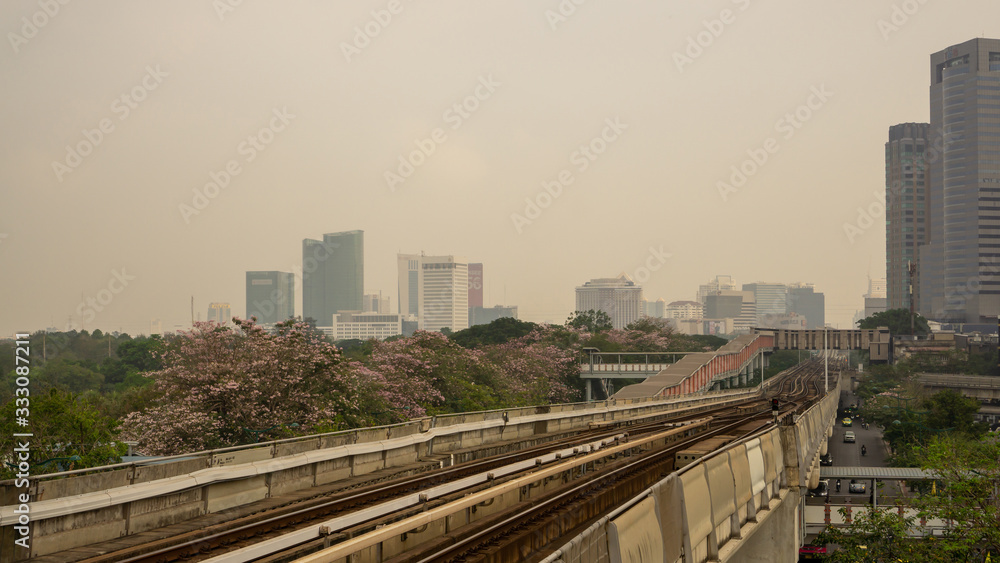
(898,321)
(970,481)
(499,331)
(591,321)
(64,426)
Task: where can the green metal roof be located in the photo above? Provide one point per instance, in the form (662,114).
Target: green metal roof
(844,472)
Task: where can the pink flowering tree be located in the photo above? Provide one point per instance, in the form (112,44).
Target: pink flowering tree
(535,371)
(437,375)
(222,387)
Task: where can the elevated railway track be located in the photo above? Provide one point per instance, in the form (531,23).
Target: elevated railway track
(516,506)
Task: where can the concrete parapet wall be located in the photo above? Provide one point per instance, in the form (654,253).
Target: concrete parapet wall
(739,504)
(76,509)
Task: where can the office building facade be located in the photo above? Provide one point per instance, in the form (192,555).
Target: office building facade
(333,275)
(619,297)
(435,290)
(960,265)
(376,303)
(220,313)
(476,285)
(720,283)
(805,301)
(270,296)
(684,310)
(365,326)
(770,297)
(907,206)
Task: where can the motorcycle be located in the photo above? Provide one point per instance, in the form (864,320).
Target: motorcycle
(863,450)
(838,485)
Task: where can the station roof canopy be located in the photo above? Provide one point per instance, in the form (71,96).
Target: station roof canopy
(835,472)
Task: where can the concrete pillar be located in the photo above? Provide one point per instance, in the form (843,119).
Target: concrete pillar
(590,390)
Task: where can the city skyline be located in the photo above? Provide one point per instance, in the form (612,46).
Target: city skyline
(155,153)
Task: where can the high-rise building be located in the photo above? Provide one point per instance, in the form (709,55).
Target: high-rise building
(960,266)
(876,300)
(408,266)
(719,283)
(906,206)
(435,289)
(333,275)
(876,287)
(219,313)
(619,297)
(684,310)
(731,304)
(475,285)
(803,300)
(375,303)
(656,309)
(770,297)
(270,296)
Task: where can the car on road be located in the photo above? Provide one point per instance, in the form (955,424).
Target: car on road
(847,421)
(823,490)
(826,459)
(856,486)
(849,437)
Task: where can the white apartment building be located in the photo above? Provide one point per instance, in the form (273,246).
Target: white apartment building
(435,289)
(619,297)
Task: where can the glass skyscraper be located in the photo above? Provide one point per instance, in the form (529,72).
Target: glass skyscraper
(270,296)
(333,275)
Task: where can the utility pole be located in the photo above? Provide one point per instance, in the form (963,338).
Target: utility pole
(912,270)
(826,362)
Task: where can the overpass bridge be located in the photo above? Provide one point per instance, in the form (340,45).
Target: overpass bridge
(983,388)
(731,365)
(729,502)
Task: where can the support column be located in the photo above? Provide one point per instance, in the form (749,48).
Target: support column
(590,390)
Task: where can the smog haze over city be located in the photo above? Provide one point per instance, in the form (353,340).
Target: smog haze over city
(155,151)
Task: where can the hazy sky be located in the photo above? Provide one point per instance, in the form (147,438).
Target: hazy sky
(116,116)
